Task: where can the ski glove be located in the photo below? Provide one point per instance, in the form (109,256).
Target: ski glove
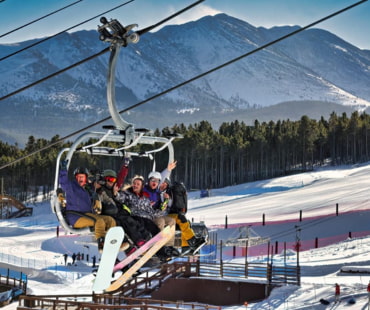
(63,165)
(126,161)
(181,216)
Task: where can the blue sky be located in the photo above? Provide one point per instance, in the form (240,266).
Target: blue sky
(352,25)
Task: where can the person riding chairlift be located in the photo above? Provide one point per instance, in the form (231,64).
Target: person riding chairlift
(80,203)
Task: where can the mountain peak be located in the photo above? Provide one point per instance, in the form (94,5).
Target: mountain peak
(313,65)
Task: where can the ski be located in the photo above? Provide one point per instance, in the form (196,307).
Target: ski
(165,235)
(112,244)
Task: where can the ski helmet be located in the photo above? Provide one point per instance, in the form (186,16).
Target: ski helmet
(81,170)
(167,181)
(155,175)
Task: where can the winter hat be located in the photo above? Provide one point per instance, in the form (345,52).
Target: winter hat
(109,173)
(138,177)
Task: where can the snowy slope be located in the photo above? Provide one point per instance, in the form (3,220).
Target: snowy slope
(33,241)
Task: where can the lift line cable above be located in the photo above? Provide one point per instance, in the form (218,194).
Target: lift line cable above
(185,82)
(38,19)
(63,31)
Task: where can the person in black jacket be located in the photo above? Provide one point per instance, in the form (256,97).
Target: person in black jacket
(175,197)
(138,203)
(107,189)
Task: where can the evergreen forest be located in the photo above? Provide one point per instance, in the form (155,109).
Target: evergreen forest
(206,158)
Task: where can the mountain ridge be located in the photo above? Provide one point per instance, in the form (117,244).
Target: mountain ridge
(313,66)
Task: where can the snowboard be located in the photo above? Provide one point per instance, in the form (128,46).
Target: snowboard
(127,260)
(163,237)
(112,244)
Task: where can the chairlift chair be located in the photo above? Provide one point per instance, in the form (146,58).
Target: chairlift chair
(122,133)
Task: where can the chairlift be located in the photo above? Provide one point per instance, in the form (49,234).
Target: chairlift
(122,133)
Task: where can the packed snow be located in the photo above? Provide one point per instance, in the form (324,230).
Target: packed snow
(328,204)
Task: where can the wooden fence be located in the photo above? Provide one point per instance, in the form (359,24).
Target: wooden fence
(149,281)
(102,302)
(14,282)
(266,272)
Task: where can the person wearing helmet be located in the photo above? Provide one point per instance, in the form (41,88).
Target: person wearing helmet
(104,188)
(80,200)
(81,175)
(174,196)
(137,202)
(151,188)
(107,191)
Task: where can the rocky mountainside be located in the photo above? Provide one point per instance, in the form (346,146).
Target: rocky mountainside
(311,69)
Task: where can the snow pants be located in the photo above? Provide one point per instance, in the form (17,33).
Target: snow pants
(186,231)
(134,229)
(101,224)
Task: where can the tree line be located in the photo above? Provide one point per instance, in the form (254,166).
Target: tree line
(207,158)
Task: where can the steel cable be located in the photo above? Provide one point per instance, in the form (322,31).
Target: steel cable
(185,82)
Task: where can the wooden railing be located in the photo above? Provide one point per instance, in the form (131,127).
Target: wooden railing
(147,282)
(80,302)
(272,274)
(13,282)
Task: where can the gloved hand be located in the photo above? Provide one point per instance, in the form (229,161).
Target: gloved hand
(181,216)
(164,204)
(63,165)
(97,207)
(126,161)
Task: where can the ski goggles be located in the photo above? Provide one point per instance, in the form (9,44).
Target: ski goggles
(111,179)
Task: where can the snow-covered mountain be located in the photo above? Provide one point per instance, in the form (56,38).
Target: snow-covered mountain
(314,65)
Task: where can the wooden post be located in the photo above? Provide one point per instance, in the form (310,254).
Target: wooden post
(300,215)
(263,219)
(221,250)
(337,209)
(316,243)
(284,252)
(246,257)
(221,261)
(225,221)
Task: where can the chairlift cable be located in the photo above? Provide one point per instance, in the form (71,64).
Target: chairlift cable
(179,85)
(240,57)
(95,55)
(38,19)
(145,30)
(96,123)
(192,79)
(63,31)
(55,73)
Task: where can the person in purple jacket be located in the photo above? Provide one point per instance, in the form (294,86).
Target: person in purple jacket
(80,202)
